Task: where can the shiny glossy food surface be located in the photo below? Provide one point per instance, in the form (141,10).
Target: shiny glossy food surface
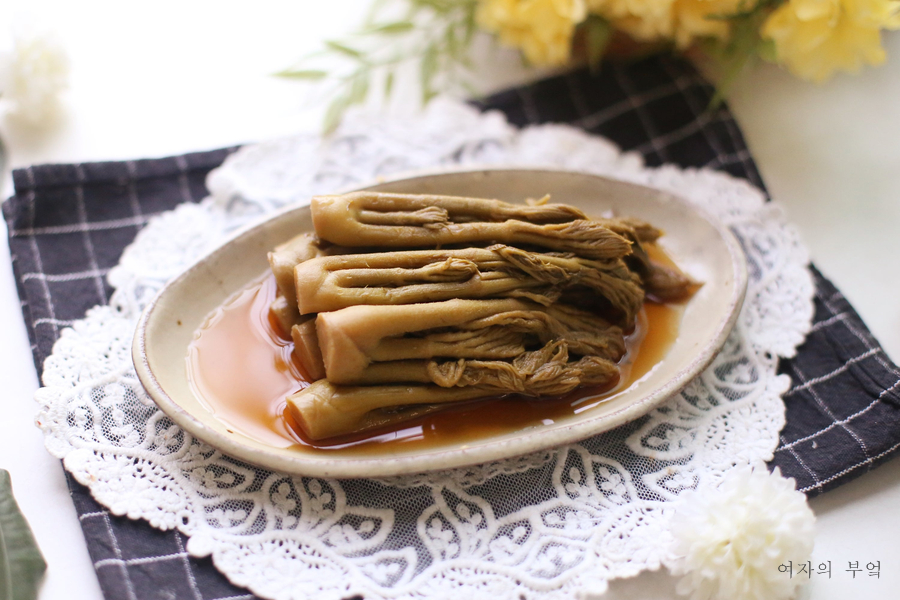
(246,389)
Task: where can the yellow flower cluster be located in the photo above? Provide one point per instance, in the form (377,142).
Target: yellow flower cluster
(542,29)
(812,38)
(815,38)
(682,21)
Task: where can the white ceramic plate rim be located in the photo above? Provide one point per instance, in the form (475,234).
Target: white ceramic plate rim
(482,451)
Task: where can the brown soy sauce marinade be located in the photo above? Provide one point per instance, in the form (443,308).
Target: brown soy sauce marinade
(246,390)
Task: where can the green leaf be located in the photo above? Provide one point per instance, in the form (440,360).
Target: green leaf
(767,51)
(388,84)
(359,88)
(598,33)
(745,10)
(356,87)
(389,28)
(451,44)
(21,564)
(428,70)
(310,74)
(334,114)
(735,56)
(344,49)
(442,7)
(434,33)
(374,8)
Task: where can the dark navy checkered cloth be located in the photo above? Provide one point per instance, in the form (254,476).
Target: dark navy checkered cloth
(68,225)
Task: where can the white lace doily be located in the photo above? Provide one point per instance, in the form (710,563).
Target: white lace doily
(556,524)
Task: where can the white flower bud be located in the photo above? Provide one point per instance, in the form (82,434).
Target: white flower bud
(731,539)
(32,77)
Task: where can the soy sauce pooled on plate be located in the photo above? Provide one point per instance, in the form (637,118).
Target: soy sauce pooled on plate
(247,390)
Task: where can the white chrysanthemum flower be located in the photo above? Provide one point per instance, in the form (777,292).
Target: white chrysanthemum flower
(731,539)
(32,77)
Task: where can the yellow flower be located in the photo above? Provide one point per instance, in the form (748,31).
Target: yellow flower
(679,20)
(542,29)
(815,38)
(643,20)
(692,19)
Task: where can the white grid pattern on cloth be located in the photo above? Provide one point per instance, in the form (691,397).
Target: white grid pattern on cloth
(728,159)
(659,144)
(121,564)
(92,274)
(801,462)
(808,383)
(600,117)
(743,155)
(80,227)
(639,105)
(841,324)
(55,322)
(788,445)
(828,321)
(866,339)
(36,256)
(716,141)
(192,580)
(528,105)
(577,95)
(133,199)
(106,562)
(114,540)
(86,236)
(827,411)
(34,240)
(186,194)
(697,108)
(866,463)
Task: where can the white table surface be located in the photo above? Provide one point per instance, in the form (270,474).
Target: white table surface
(161,78)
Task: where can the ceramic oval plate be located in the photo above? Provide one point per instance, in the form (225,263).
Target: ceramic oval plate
(703,248)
